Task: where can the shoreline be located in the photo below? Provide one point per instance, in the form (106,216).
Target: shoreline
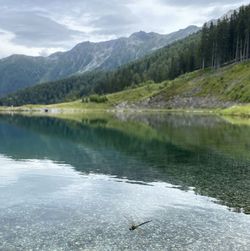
(242,111)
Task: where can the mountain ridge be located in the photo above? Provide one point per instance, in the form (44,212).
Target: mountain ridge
(21,71)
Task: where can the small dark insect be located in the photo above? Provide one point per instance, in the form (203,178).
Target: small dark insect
(134,227)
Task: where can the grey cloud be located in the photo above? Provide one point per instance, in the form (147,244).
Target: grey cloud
(33,21)
(66,6)
(199,3)
(37,23)
(32,29)
(111,20)
(114,24)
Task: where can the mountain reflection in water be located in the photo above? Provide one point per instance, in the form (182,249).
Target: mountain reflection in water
(203,152)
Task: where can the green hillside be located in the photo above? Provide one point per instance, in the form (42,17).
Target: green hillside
(227,88)
(227,84)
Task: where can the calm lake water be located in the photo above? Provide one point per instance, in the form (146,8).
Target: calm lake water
(79,185)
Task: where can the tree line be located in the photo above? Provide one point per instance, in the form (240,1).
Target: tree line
(227,41)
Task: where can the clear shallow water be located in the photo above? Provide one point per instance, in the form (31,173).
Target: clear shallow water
(80,185)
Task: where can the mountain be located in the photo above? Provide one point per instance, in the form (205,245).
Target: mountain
(213,47)
(158,66)
(19,71)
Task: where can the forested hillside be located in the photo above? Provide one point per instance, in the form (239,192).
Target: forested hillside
(19,71)
(228,41)
(216,45)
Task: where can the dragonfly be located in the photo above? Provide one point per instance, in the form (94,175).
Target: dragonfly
(134,227)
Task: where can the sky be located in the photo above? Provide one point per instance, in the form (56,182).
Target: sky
(41,27)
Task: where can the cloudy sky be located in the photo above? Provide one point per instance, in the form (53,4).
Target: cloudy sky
(40,27)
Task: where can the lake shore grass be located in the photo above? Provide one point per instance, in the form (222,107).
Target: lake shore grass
(78,107)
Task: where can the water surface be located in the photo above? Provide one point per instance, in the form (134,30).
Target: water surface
(79,185)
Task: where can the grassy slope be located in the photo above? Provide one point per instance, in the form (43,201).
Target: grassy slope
(130,96)
(231,83)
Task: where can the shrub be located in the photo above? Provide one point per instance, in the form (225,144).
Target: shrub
(98,98)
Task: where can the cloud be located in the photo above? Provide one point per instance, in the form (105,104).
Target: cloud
(33,29)
(114,24)
(7,47)
(36,27)
(198,3)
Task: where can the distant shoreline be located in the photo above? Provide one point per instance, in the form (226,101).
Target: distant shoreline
(55,109)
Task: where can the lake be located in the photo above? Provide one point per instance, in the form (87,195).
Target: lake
(80,183)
